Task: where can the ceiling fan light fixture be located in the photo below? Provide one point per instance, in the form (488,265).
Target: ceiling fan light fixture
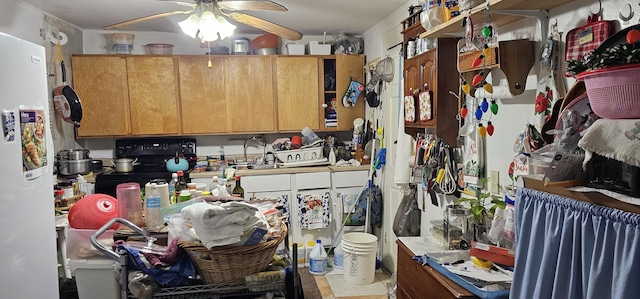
(209,26)
(190,25)
(225,27)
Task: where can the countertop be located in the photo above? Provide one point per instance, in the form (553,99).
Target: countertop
(286,170)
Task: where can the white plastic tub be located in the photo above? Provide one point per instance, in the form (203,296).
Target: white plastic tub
(95,278)
(316,48)
(295,49)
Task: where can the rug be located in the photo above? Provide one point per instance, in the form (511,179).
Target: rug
(309,286)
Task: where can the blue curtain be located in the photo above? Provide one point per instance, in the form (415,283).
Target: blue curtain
(572,249)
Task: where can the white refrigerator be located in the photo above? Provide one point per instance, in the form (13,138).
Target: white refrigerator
(28,258)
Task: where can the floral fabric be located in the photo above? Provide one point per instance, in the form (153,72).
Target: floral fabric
(313,211)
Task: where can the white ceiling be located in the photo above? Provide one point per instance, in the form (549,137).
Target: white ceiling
(310,17)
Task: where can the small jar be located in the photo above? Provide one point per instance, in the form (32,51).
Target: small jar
(458,227)
(59,200)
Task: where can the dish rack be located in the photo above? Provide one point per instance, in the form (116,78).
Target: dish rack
(222,290)
(300,155)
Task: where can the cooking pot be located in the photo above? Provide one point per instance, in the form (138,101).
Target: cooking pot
(66,102)
(73,167)
(124,164)
(176,164)
(74,154)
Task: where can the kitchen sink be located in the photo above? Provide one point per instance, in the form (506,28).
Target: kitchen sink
(246,166)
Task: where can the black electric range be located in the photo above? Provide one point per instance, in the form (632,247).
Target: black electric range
(151,155)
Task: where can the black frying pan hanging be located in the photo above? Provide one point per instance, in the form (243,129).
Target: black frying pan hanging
(66,101)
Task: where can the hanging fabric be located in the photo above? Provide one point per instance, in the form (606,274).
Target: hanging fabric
(313,210)
(551,85)
(567,248)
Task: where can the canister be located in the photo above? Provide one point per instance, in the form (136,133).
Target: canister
(458,227)
(240,46)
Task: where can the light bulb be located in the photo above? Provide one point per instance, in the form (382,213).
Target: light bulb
(482,130)
(208,26)
(488,87)
(190,25)
(464,111)
(477,79)
(494,107)
(478,113)
(226,28)
(477,61)
(490,128)
(465,87)
(484,105)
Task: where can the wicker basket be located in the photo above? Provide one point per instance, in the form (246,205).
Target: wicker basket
(230,264)
(614,92)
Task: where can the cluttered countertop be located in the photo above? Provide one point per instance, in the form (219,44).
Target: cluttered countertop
(288,170)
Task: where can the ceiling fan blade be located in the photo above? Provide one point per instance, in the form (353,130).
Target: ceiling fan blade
(251,5)
(147,18)
(266,26)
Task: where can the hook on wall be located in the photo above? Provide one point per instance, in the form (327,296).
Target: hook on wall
(60,38)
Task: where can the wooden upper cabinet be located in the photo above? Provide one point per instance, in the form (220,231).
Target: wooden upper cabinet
(101,85)
(153,95)
(249,94)
(412,80)
(297,93)
(202,95)
(348,67)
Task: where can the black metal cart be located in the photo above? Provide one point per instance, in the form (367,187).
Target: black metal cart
(198,290)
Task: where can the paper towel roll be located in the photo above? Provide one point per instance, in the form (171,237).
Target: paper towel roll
(164,193)
(499,92)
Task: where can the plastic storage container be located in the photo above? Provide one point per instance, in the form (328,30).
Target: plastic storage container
(95,278)
(295,49)
(123,38)
(458,226)
(159,49)
(316,48)
(122,48)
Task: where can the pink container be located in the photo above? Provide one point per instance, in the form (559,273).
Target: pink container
(130,203)
(614,92)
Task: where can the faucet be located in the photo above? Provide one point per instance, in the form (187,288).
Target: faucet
(260,140)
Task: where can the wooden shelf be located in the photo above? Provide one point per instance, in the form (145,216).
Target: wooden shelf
(453,26)
(514,58)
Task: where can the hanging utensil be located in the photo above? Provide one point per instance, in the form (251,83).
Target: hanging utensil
(65,100)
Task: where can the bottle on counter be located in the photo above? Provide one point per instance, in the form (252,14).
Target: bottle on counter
(238,191)
(318,259)
(213,186)
(172,188)
(181,184)
(184,195)
(154,218)
(332,156)
(223,160)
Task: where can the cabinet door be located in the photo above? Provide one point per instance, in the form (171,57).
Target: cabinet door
(297,93)
(202,95)
(153,96)
(412,80)
(101,85)
(428,76)
(249,93)
(348,67)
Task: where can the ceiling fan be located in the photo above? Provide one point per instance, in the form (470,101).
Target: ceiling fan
(229,9)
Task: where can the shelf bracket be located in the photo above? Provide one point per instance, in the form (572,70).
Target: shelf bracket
(541,15)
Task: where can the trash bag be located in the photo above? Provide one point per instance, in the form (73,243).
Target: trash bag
(407,220)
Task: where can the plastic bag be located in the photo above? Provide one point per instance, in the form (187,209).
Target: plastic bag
(407,220)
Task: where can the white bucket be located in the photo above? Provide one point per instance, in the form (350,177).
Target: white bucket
(359,251)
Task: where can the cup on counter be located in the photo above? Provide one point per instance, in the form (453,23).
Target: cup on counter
(296,142)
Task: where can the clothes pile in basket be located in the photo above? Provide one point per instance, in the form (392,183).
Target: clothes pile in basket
(227,223)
